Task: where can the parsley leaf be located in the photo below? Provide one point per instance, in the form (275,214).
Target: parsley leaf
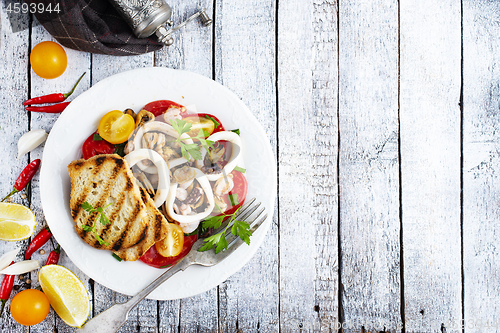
(239,228)
(100,216)
(242,229)
(237,131)
(207,144)
(233,198)
(213,222)
(190,149)
(87,207)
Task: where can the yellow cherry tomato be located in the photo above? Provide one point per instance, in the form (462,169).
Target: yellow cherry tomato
(172,244)
(116,127)
(29,307)
(48,60)
(200,123)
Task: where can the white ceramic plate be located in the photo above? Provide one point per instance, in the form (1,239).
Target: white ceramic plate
(134,89)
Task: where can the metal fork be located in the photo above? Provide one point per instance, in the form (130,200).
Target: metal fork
(113,318)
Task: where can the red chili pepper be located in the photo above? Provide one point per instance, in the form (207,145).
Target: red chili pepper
(52,98)
(53,257)
(41,238)
(24,177)
(54,108)
(6,289)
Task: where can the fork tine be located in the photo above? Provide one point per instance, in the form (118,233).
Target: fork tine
(246,214)
(241,211)
(243,217)
(236,243)
(254,224)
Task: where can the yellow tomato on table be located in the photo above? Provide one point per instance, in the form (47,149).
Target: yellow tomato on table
(29,307)
(48,60)
(116,127)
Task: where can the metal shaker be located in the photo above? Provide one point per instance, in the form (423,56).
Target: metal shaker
(147,17)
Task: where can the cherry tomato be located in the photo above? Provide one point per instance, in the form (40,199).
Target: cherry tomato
(154,259)
(198,124)
(172,244)
(29,307)
(48,60)
(93,147)
(160,107)
(202,116)
(116,126)
(238,192)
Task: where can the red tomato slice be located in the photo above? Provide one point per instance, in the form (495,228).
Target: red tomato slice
(154,259)
(92,147)
(239,191)
(160,107)
(219,127)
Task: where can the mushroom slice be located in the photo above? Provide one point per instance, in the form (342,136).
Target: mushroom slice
(157,126)
(163,174)
(235,152)
(195,218)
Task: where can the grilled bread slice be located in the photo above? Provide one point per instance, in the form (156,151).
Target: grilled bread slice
(157,230)
(106,181)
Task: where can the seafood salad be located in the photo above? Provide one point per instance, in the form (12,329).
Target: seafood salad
(187,163)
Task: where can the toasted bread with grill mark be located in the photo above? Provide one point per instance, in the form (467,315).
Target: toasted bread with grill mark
(102,180)
(156,231)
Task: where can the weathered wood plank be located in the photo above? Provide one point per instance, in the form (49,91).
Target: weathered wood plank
(78,63)
(481,165)
(13,91)
(192,51)
(143,317)
(307,155)
(430,162)
(369,168)
(248,299)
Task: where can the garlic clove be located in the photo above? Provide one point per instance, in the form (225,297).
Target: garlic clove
(30,141)
(8,257)
(21,267)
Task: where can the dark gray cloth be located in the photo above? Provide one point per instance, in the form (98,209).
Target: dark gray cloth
(92,26)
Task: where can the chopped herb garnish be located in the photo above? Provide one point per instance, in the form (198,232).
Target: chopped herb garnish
(216,123)
(100,216)
(233,198)
(116,257)
(120,149)
(237,131)
(240,229)
(166,266)
(190,149)
(97,137)
(237,168)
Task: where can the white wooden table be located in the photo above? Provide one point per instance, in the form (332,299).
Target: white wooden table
(384,118)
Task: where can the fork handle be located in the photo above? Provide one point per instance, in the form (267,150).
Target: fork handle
(113,318)
(179,266)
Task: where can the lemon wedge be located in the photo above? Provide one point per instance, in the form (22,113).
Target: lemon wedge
(66,293)
(17,222)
